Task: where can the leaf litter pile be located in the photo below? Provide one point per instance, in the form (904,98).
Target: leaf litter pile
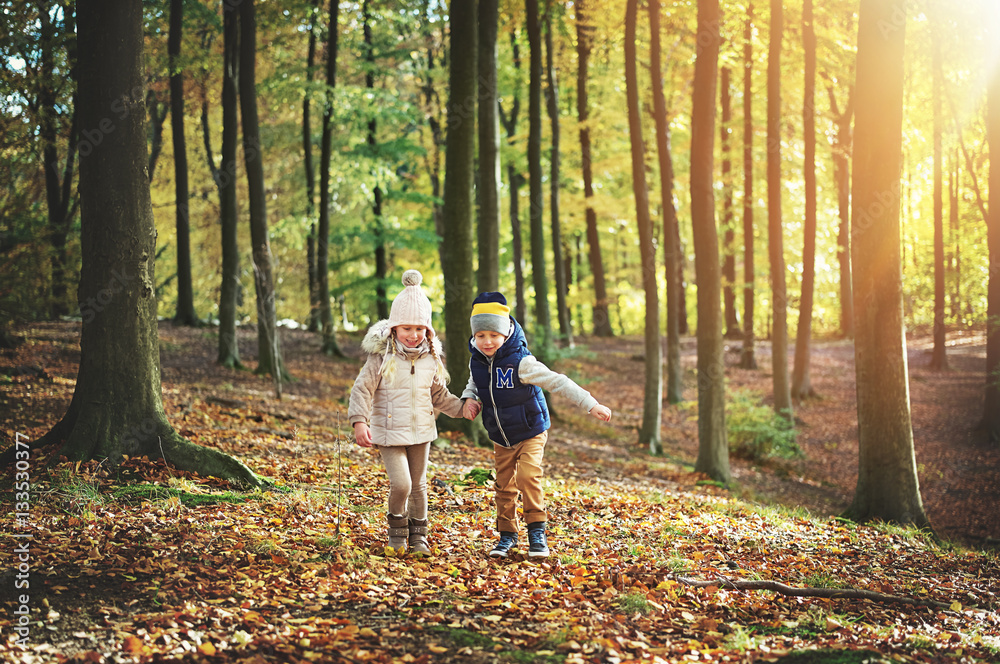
(650,562)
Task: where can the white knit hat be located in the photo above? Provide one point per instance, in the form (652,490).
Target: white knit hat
(411,306)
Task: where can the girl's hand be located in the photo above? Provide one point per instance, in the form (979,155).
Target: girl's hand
(471,409)
(601,412)
(362,434)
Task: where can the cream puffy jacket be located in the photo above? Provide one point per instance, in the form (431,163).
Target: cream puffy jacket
(400,405)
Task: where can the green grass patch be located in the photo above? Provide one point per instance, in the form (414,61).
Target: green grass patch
(140,493)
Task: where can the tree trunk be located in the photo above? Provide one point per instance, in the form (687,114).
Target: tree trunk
(887,488)
(552,104)
(58,190)
(268,343)
(991,417)
(378,228)
(600,318)
(458,183)
(748,354)
(539,275)
(801,380)
(185,292)
(515,182)
(675,387)
(307,163)
(939,357)
(157,116)
(488,273)
(117,405)
(432,111)
(652,409)
(230,292)
(729,232)
(842,176)
(775,241)
(955,230)
(329,345)
(713,447)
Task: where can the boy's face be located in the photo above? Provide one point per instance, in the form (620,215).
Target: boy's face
(489,342)
(411,336)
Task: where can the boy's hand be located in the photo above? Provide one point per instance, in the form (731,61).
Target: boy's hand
(362,434)
(601,412)
(471,409)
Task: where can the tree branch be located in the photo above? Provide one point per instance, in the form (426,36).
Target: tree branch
(828,593)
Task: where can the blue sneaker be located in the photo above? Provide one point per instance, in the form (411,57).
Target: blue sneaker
(502,548)
(538,547)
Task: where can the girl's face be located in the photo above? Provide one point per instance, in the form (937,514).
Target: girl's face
(411,336)
(489,342)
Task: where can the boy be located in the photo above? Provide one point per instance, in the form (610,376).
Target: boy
(508,381)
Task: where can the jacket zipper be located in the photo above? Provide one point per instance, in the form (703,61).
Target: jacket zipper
(496,411)
(413,401)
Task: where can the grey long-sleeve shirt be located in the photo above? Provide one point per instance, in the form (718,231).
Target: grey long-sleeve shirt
(533,372)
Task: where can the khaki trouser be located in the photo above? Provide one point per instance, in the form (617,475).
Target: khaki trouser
(520,468)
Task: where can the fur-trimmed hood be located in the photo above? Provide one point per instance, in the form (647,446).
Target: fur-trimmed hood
(376,341)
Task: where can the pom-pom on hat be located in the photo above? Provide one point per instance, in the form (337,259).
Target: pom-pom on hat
(490,312)
(411,306)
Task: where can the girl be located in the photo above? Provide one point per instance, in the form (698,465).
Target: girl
(393,406)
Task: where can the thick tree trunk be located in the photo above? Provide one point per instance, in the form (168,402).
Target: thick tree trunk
(939,357)
(775,241)
(117,406)
(652,410)
(539,275)
(268,343)
(713,447)
(801,379)
(552,106)
(488,272)
(600,318)
(229,293)
(842,176)
(330,345)
(887,488)
(185,314)
(748,354)
(729,231)
(675,387)
(991,417)
(460,144)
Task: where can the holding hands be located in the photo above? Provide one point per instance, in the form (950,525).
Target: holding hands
(471,409)
(601,412)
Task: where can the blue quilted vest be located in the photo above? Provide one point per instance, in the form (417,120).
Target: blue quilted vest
(512,411)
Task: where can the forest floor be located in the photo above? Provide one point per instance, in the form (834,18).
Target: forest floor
(145,563)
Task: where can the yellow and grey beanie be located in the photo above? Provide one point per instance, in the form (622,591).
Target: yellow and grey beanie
(490,312)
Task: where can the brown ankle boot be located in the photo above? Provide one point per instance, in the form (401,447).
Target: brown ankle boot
(418,537)
(398,532)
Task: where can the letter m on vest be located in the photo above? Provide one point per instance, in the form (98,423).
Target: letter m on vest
(505,378)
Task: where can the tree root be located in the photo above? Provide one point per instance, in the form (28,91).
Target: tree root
(828,593)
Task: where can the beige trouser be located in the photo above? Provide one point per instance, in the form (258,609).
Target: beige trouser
(520,468)
(406,466)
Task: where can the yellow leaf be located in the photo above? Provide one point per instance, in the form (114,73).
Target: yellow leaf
(492,618)
(132,644)
(956,606)
(206,649)
(437,649)
(369,632)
